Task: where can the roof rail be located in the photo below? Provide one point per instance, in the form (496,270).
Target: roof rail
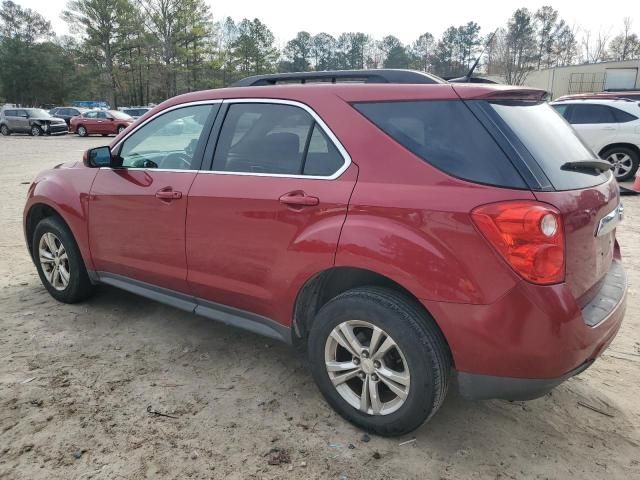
(364,76)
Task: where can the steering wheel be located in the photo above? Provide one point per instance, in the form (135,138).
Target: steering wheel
(177,160)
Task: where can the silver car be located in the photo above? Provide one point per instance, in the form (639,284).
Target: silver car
(33,121)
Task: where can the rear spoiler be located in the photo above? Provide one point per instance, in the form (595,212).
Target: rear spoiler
(500,93)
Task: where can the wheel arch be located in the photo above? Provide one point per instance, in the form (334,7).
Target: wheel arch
(36,213)
(631,146)
(328,284)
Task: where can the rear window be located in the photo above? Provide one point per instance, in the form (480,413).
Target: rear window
(447,135)
(551,142)
(623,117)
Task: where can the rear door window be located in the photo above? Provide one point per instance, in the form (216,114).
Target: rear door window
(447,135)
(582,114)
(275,139)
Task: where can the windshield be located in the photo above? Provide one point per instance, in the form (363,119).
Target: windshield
(37,112)
(551,141)
(120,115)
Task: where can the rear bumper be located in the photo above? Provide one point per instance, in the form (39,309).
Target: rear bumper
(483,387)
(530,340)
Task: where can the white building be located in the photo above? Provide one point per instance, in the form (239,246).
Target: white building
(591,77)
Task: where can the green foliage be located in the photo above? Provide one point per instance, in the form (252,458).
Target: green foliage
(142,51)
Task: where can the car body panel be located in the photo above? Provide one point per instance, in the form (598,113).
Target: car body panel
(234,217)
(65,188)
(133,233)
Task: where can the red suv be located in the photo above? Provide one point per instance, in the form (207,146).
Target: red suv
(403,229)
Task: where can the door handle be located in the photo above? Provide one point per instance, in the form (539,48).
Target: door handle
(299,199)
(168,194)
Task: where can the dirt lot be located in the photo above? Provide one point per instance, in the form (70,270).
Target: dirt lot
(76,380)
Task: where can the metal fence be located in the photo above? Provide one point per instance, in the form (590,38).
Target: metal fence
(586,82)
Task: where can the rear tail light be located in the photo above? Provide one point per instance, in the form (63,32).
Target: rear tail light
(528,235)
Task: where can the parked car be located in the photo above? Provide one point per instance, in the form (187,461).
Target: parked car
(135,112)
(611,128)
(67,113)
(610,95)
(401,233)
(100,122)
(33,121)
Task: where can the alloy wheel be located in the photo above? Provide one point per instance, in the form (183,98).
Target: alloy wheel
(621,163)
(82,131)
(54,261)
(367,367)
(5,130)
(35,131)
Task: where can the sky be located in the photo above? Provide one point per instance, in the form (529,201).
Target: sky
(406,19)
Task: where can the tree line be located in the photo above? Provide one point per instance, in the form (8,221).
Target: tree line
(134,52)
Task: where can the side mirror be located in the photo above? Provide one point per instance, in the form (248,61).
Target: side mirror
(97,157)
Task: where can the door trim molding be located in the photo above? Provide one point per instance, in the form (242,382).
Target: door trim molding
(232,316)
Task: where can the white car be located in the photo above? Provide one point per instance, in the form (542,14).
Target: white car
(611,128)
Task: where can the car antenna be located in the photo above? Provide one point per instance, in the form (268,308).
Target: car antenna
(475,64)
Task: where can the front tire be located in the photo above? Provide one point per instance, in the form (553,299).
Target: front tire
(379,360)
(59,262)
(5,131)
(121,129)
(36,131)
(82,131)
(624,162)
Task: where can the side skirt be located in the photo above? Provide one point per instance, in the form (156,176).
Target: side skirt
(215,311)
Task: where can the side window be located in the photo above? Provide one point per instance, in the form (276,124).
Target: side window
(274,139)
(591,114)
(622,117)
(102,114)
(561,109)
(263,138)
(168,141)
(9,113)
(323,158)
(447,135)
(91,115)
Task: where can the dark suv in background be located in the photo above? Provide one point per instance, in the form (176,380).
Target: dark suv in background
(67,113)
(33,121)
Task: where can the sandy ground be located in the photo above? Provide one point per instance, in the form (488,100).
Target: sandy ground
(76,380)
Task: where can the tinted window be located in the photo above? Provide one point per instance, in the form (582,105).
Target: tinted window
(622,117)
(561,109)
(275,139)
(590,114)
(448,136)
(10,113)
(550,141)
(168,141)
(323,158)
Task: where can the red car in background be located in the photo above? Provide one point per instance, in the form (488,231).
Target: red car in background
(403,230)
(100,122)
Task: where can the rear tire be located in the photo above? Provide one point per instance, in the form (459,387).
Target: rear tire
(59,262)
(5,130)
(625,162)
(82,131)
(418,359)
